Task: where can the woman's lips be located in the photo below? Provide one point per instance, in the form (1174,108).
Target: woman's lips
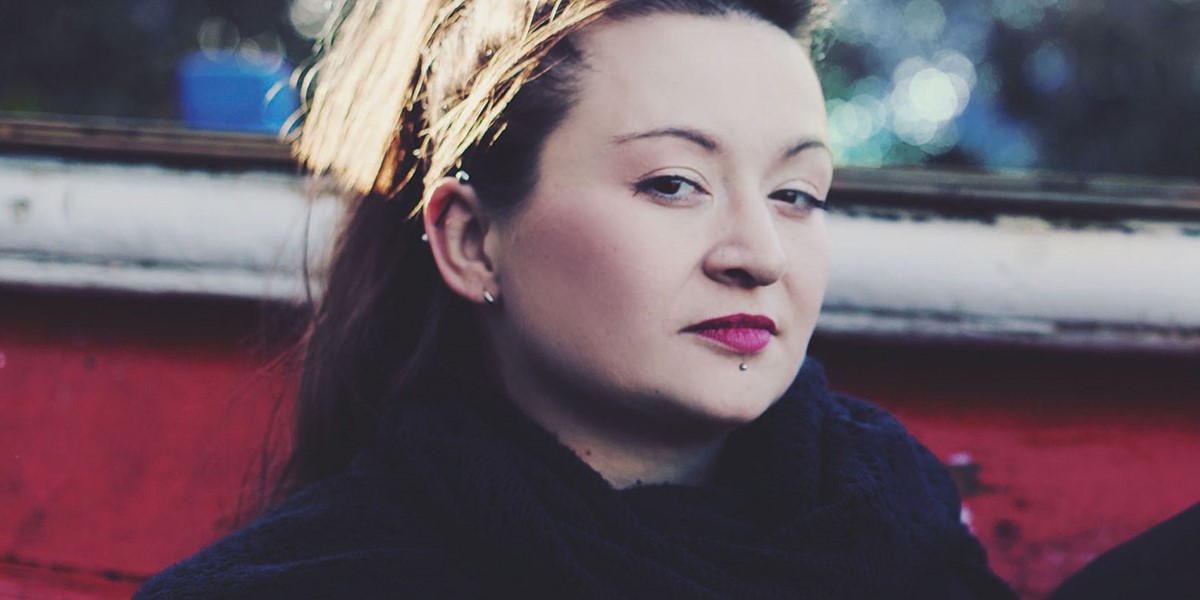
(744,334)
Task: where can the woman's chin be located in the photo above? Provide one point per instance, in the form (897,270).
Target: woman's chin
(740,409)
(721,402)
(724,391)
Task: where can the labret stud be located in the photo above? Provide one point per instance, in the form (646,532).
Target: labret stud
(744,367)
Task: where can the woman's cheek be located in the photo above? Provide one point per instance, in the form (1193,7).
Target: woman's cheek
(575,275)
(810,257)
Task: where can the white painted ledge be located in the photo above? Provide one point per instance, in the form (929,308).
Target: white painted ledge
(1019,279)
(158,230)
(1022,279)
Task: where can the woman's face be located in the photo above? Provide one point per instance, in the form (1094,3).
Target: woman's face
(678,193)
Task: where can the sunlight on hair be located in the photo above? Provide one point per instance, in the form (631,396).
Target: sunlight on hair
(370,120)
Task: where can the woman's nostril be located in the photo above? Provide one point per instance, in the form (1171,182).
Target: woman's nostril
(741,278)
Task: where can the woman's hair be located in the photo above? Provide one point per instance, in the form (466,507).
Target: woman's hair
(406,92)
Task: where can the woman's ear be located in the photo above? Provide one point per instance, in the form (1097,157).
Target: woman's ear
(456,226)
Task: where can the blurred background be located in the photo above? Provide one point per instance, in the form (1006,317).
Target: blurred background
(1092,86)
(1016,267)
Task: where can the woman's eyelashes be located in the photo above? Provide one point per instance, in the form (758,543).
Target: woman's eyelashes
(669,187)
(676,188)
(798,198)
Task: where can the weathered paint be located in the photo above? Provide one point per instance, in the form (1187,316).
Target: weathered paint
(152,229)
(127,428)
(1097,284)
(130,429)
(1093,280)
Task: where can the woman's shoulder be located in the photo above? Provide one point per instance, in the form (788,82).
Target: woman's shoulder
(345,537)
(812,389)
(863,412)
(870,427)
(861,418)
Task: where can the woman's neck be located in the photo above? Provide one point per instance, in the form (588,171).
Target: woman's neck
(624,446)
(625,464)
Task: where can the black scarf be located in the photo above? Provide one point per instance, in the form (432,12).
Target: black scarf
(822,497)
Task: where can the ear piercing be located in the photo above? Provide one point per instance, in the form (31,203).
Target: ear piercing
(463,177)
(489,298)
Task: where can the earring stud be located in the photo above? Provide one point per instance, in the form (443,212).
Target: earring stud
(488,297)
(462,176)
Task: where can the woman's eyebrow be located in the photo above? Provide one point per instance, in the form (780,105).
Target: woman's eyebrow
(803,145)
(698,138)
(708,143)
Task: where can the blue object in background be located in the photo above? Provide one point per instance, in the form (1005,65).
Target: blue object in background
(226,91)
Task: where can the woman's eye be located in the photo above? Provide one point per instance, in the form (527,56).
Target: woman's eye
(669,187)
(798,198)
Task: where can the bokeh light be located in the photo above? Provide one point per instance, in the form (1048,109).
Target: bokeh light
(310,17)
(982,84)
(924,19)
(217,36)
(1048,68)
(1010,84)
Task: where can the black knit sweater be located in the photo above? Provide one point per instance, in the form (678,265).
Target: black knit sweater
(463,497)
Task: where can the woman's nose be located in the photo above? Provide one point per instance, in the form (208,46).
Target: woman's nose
(748,251)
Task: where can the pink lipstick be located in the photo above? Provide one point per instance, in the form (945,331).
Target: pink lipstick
(744,334)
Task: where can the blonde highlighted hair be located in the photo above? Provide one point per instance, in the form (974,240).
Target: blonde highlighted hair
(374,119)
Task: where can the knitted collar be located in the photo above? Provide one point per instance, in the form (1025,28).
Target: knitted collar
(821,497)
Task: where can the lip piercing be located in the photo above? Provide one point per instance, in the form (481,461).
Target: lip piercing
(744,367)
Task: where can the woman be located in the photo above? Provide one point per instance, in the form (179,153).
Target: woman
(581,372)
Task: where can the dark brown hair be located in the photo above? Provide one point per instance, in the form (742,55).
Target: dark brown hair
(408,92)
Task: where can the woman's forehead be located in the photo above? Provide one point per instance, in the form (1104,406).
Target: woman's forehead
(730,76)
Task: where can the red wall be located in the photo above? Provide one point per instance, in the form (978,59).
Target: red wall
(130,430)
(127,430)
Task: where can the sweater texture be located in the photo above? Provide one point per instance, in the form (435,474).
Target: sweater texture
(462,496)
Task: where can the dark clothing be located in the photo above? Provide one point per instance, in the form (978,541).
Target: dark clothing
(1163,563)
(822,497)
